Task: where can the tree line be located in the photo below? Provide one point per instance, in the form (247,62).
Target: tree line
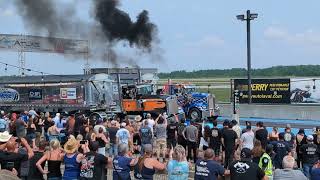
(275,71)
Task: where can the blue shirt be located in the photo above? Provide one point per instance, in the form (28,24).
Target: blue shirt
(121,167)
(178,170)
(315,174)
(3,125)
(208,170)
(72,168)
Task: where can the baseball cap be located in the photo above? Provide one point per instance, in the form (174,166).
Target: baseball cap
(288,126)
(246,153)
(310,138)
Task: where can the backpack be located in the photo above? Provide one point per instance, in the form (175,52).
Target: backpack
(87,167)
(181,128)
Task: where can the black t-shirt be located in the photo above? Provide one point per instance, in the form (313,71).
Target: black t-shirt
(10,158)
(310,153)
(100,162)
(112,134)
(208,170)
(229,137)
(245,170)
(171,130)
(34,172)
(262,136)
(215,137)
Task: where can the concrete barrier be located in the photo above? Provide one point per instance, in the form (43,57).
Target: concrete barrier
(274,111)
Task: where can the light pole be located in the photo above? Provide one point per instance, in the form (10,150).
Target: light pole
(248,17)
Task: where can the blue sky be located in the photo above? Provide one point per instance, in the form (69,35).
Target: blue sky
(198,35)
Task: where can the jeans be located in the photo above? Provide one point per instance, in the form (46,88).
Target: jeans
(113,150)
(192,147)
(307,168)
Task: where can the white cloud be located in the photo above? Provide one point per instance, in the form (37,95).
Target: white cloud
(207,42)
(306,38)
(7,12)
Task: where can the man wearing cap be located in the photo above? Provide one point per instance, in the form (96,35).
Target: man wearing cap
(310,155)
(151,122)
(9,158)
(281,149)
(245,169)
(289,137)
(112,131)
(123,134)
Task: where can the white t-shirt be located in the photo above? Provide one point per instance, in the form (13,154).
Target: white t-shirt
(247,140)
(123,135)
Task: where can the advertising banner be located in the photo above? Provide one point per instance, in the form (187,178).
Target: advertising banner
(306,90)
(268,91)
(42,44)
(35,94)
(9,95)
(68,93)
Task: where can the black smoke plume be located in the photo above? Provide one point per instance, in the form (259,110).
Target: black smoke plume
(117,25)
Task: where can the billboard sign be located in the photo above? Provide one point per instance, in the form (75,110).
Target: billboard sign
(68,93)
(9,95)
(265,91)
(42,44)
(35,94)
(306,90)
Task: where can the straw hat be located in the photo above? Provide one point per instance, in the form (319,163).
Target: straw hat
(5,136)
(138,118)
(71,146)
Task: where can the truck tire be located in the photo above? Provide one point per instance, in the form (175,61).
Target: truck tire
(195,114)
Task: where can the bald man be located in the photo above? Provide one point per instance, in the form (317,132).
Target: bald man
(10,159)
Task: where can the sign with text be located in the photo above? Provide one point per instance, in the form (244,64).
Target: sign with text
(35,94)
(68,93)
(268,91)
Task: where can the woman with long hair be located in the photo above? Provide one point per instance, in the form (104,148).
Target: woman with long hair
(54,158)
(274,135)
(178,166)
(147,165)
(257,151)
(102,140)
(31,131)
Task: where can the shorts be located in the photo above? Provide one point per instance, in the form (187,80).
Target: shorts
(171,143)
(31,136)
(161,144)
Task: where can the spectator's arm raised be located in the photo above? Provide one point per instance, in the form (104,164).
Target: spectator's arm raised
(29,150)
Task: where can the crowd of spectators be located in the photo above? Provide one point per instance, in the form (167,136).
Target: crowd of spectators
(36,145)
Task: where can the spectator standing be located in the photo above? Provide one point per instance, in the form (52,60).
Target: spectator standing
(145,134)
(245,168)
(122,163)
(70,125)
(57,118)
(229,141)
(54,158)
(112,131)
(9,158)
(99,124)
(257,151)
(215,139)
(289,137)
(3,123)
(31,131)
(262,134)
(281,149)
(208,169)
(20,128)
(190,133)
(147,166)
(172,133)
(310,155)
(274,135)
(178,166)
(35,173)
(205,138)
(47,124)
(288,173)
(161,136)
(247,138)
(151,122)
(102,141)
(300,139)
(316,137)
(123,135)
(72,160)
(236,127)
(265,162)
(93,166)
(180,132)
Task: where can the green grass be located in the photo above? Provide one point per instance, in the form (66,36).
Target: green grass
(221,94)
